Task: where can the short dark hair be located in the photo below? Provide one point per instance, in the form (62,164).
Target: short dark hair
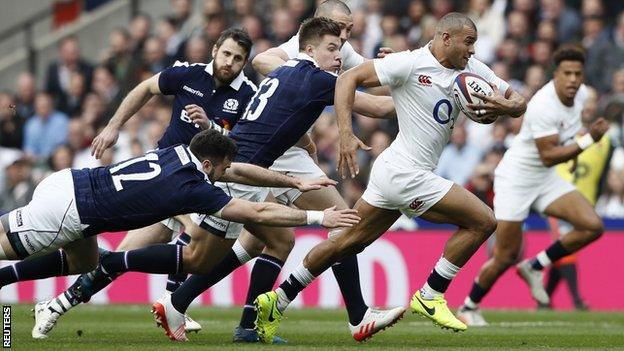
(240,36)
(569,52)
(212,145)
(313,29)
(328,6)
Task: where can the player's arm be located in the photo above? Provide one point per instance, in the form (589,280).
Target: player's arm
(272,214)
(198,116)
(249,174)
(551,153)
(362,75)
(373,106)
(269,60)
(135,99)
(510,104)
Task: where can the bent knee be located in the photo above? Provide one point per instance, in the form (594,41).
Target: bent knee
(282,245)
(486,225)
(82,264)
(505,260)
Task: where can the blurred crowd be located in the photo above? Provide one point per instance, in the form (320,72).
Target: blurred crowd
(47,128)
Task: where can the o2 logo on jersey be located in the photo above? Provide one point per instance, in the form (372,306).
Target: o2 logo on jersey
(444,104)
(230,106)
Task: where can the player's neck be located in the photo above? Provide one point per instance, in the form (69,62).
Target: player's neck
(569,102)
(438,52)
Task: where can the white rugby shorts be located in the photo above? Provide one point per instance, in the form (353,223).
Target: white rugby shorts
(294,162)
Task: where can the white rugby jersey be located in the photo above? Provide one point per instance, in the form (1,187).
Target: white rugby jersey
(422,90)
(350,58)
(545,115)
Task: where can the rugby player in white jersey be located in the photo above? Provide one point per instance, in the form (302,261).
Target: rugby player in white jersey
(402,178)
(526,179)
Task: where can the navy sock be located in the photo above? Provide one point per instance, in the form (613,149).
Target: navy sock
(477,293)
(438,282)
(51,265)
(196,284)
(347,275)
(175,280)
(555,252)
(89,284)
(292,287)
(159,259)
(263,277)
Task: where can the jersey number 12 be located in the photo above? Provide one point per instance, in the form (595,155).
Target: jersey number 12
(118,178)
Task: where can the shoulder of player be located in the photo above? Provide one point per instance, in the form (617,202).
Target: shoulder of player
(247,85)
(190,66)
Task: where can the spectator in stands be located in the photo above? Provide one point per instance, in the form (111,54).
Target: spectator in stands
(119,60)
(611,203)
(106,87)
(62,157)
(547,31)
(283,26)
(509,54)
(459,158)
(169,32)
(59,75)
(196,50)
(568,21)
(417,14)
(25,90)
(182,17)
(140,31)
(481,183)
(491,28)
(18,187)
(46,129)
(75,95)
(11,123)
(155,57)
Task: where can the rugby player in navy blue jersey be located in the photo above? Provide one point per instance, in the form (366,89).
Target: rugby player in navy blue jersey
(288,102)
(212,95)
(70,207)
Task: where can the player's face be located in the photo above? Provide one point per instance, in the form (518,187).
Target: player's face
(327,53)
(229,60)
(346,24)
(216,170)
(568,78)
(460,46)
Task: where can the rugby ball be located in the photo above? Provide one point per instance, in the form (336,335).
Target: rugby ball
(464,85)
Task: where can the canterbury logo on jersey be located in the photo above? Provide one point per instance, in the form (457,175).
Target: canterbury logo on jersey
(424,80)
(230,106)
(193,91)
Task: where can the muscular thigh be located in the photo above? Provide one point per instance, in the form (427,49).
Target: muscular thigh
(321,199)
(375,222)
(205,249)
(156,233)
(459,207)
(573,208)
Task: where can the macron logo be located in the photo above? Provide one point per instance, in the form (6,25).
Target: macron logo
(193,91)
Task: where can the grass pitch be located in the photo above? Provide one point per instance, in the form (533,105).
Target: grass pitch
(130,327)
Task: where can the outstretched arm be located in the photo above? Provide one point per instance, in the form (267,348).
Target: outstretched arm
(362,75)
(272,214)
(374,106)
(249,174)
(135,99)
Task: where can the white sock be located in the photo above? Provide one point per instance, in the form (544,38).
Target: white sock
(446,268)
(242,254)
(470,304)
(303,275)
(61,304)
(427,293)
(543,259)
(282,300)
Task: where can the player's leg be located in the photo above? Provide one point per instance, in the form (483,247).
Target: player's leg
(364,322)
(560,199)
(507,248)
(88,284)
(375,221)
(476,223)
(82,255)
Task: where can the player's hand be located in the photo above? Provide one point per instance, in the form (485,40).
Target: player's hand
(198,116)
(313,184)
(384,51)
(598,129)
(494,106)
(333,218)
(347,163)
(107,138)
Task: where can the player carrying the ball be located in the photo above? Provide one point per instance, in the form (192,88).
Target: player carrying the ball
(402,178)
(526,179)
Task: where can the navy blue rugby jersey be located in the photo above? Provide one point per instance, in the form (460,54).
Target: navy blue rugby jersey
(287,104)
(144,190)
(194,84)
